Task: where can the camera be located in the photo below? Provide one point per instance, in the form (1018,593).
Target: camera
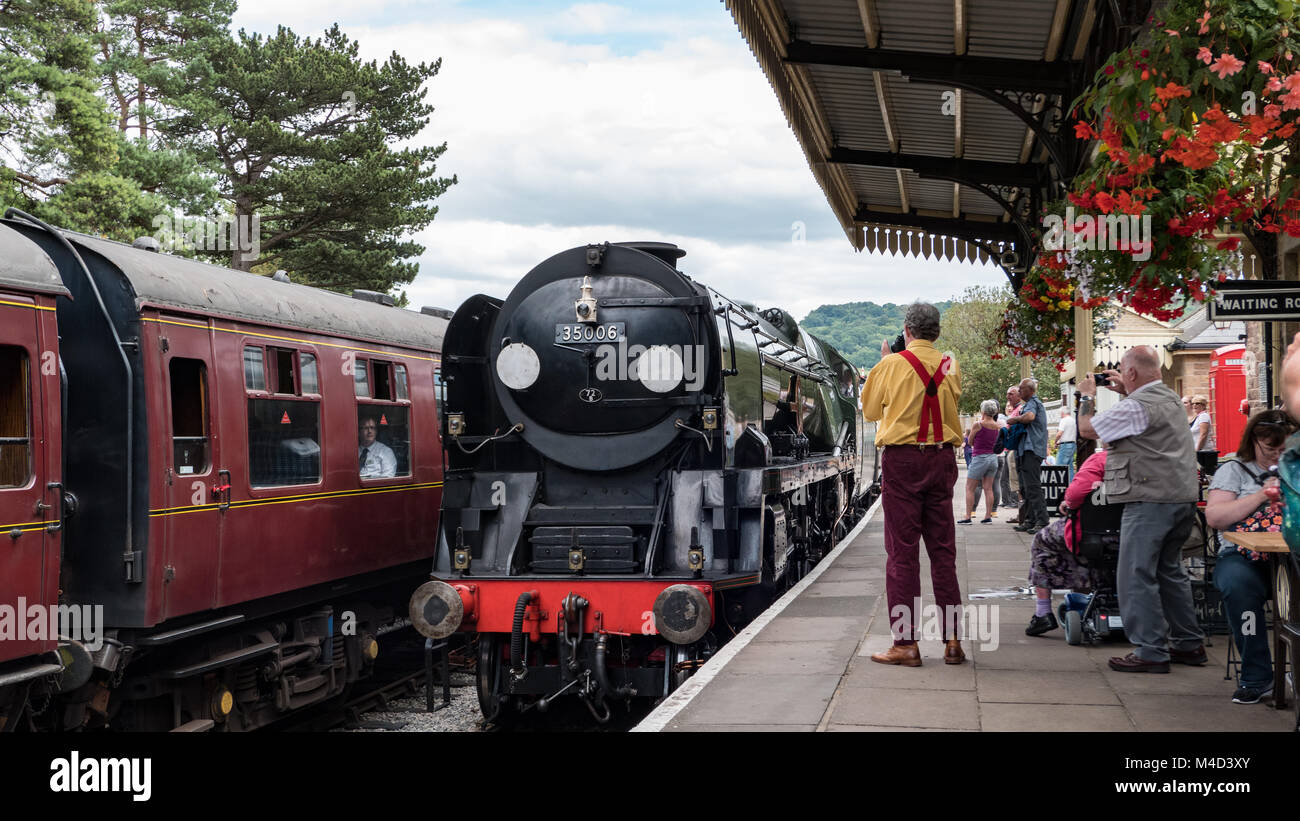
(898,344)
(1101,379)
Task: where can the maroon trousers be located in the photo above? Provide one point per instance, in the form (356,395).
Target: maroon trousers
(917,485)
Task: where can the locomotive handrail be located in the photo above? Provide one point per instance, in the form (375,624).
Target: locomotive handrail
(655,302)
(792,368)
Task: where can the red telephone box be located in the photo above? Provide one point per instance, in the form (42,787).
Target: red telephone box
(1227,390)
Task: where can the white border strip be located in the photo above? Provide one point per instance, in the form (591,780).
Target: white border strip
(682,696)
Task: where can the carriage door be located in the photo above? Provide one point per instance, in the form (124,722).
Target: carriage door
(195,500)
(25,500)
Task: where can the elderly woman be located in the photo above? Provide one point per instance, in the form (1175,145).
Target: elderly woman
(1053,557)
(1238,501)
(1202,429)
(983,434)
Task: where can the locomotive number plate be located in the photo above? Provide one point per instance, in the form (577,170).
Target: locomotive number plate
(583,332)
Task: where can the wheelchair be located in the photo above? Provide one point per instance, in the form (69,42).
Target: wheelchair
(1092,617)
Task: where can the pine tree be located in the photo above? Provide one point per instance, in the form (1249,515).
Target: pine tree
(146,49)
(52,124)
(303,133)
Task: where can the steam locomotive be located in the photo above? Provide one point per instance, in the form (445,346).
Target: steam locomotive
(636,467)
(193,536)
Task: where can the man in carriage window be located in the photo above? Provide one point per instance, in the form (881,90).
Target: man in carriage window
(376,459)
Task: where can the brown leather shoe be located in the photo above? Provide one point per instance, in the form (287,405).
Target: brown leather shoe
(1132,663)
(952,652)
(908,655)
(1194,658)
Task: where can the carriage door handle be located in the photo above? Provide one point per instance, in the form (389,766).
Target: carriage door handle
(222,491)
(54,527)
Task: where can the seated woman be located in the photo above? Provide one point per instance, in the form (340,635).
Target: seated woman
(1238,502)
(983,465)
(1053,557)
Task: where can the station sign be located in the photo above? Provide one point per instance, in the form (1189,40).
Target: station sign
(1269,301)
(1055,479)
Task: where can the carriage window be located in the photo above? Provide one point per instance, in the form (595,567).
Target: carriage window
(283,442)
(383,375)
(284,370)
(383,441)
(254,370)
(403,391)
(15,418)
(310,383)
(189,415)
(360,377)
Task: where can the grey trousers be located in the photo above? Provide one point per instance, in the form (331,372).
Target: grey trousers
(1155,594)
(1006,478)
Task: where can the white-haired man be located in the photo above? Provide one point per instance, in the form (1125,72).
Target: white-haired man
(1151,469)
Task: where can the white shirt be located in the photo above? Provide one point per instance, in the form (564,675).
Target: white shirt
(1065,429)
(1128,418)
(1203,418)
(379,461)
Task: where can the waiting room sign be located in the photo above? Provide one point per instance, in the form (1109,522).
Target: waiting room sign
(1265,300)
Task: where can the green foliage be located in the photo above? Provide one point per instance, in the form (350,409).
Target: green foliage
(117,112)
(304,133)
(52,124)
(970,328)
(856,329)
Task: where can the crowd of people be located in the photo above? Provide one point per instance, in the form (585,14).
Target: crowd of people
(1143,453)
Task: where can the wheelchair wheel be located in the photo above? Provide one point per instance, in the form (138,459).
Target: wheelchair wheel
(1073,627)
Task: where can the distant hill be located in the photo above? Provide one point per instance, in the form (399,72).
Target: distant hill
(856,329)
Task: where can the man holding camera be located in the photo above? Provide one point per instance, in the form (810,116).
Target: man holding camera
(1031,450)
(1151,470)
(913,392)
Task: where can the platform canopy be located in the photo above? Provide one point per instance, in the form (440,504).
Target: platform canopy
(938,128)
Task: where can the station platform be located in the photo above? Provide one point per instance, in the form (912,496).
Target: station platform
(804,665)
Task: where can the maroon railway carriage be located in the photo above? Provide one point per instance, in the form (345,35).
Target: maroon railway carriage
(30,463)
(245,543)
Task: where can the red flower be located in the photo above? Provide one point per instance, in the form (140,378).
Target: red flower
(1105,202)
(1082,200)
(1142,164)
(1229,244)
(1205,55)
(1172,90)
(1084,131)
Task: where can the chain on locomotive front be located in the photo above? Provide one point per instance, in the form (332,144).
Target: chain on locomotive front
(636,467)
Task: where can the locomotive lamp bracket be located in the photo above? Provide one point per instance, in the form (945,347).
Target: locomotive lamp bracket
(585,307)
(460,556)
(455,424)
(576,559)
(695,555)
(710,418)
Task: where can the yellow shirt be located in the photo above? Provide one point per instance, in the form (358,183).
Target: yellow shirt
(894,391)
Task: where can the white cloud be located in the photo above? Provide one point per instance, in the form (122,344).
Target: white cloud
(569,124)
(489,257)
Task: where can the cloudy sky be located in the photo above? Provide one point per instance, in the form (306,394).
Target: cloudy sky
(569,123)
